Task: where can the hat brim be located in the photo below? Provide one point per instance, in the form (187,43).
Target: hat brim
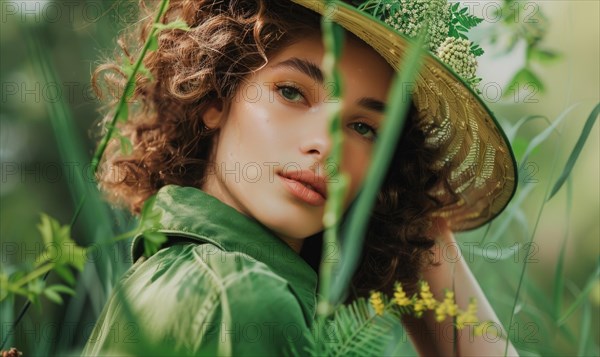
(478,164)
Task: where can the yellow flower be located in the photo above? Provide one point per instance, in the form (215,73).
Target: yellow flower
(485,327)
(427,296)
(468,317)
(472,308)
(400,296)
(451,307)
(479,329)
(419,308)
(377,302)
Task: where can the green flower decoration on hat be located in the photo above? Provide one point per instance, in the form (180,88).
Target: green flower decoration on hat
(446,32)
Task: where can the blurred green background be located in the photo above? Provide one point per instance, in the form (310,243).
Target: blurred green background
(49,126)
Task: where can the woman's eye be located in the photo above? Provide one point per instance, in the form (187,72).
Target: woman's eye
(290,93)
(364,130)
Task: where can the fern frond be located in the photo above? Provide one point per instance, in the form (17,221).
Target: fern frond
(358,331)
(461,21)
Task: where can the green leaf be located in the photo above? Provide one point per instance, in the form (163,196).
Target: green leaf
(46,228)
(476,50)
(452,32)
(65,273)
(178,24)
(148,228)
(543,56)
(125,143)
(36,286)
(521,80)
(587,129)
(62,289)
(149,218)
(58,237)
(127,68)
(153,241)
(126,146)
(53,296)
(144,71)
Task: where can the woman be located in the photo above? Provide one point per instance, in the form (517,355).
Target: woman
(232,139)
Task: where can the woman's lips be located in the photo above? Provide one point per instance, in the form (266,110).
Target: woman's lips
(303,192)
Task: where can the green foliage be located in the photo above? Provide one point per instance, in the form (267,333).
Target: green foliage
(333,40)
(56,236)
(546,313)
(476,50)
(548,316)
(462,22)
(585,133)
(354,330)
(60,253)
(523,25)
(178,24)
(148,228)
(131,71)
(524,78)
(390,133)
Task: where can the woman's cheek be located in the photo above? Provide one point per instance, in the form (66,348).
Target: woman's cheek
(356,164)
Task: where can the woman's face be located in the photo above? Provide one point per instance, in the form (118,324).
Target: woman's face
(273,137)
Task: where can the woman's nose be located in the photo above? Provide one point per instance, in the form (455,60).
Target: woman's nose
(316,140)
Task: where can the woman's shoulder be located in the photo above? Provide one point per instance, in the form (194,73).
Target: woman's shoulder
(204,273)
(191,294)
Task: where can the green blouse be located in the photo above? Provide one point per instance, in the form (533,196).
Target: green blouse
(222,285)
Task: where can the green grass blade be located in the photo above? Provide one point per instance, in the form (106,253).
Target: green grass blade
(587,129)
(512,214)
(582,296)
(129,87)
(559,282)
(585,330)
(390,133)
(333,40)
(511,132)
(534,143)
(541,137)
(94,217)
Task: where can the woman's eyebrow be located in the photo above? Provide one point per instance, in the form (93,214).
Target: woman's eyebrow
(372,104)
(313,71)
(304,66)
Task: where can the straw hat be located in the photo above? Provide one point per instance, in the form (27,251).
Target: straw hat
(478,163)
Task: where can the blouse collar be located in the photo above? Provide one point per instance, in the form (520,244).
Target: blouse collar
(204,218)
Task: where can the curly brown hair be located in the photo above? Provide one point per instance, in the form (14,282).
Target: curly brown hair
(227,41)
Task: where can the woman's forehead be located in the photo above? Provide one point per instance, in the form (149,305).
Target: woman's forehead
(360,64)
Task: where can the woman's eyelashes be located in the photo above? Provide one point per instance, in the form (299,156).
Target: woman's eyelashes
(365,130)
(291,93)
